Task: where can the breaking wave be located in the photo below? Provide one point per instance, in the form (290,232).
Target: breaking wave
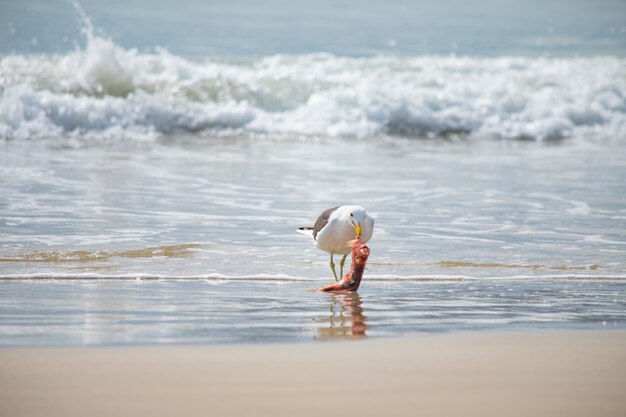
(104,90)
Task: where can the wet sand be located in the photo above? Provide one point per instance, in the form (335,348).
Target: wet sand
(475,374)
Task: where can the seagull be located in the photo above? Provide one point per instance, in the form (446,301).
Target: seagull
(337,226)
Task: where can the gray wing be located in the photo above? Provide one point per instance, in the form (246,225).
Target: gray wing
(322,221)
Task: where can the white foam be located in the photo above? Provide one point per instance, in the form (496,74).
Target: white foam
(104,90)
(221,278)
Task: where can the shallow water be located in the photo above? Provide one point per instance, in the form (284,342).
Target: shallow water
(230,207)
(70,313)
(199,237)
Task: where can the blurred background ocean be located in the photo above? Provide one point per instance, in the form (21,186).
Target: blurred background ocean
(246,28)
(523,70)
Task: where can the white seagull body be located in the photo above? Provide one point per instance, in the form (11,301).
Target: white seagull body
(337,226)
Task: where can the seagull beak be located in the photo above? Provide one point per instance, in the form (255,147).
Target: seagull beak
(357,229)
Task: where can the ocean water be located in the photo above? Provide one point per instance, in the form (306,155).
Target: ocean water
(156,163)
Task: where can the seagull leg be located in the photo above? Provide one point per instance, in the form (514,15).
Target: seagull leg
(332,266)
(343,261)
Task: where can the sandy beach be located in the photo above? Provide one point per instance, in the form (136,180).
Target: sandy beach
(470,374)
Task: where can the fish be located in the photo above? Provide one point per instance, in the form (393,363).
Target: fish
(352,280)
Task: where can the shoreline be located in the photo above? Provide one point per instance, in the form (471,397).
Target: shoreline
(551,373)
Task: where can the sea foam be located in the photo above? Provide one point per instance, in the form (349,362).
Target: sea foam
(104,90)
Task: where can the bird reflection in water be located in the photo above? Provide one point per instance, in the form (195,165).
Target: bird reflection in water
(346,319)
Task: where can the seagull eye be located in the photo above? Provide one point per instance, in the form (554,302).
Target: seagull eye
(351,214)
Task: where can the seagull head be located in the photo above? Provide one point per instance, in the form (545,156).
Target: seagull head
(357,216)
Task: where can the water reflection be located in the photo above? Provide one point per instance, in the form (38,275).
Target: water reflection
(345,319)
